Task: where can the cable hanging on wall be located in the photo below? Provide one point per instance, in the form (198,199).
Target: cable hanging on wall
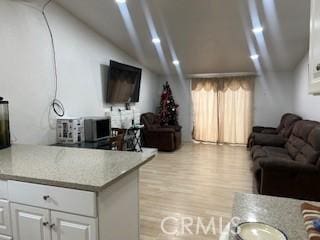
(56,105)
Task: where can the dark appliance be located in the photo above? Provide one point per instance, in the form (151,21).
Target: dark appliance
(4,124)
(97,128)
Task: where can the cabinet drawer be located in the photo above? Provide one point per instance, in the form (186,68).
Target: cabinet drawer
(3,189)
(55,198)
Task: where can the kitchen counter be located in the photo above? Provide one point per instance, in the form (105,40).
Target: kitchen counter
(282,213)
(49,192)
(83,169)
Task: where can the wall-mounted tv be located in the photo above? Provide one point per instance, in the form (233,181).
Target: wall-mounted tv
(123,84)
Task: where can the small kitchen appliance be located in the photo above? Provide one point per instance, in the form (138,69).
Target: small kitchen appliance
(4,124)
(70,130)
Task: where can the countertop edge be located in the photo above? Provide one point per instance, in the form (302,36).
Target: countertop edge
(70,185)
(148,159)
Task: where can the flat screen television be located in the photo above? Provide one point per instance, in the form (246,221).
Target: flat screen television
(123,85)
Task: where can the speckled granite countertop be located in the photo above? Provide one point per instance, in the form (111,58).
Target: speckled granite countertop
(84,169)
(282,213)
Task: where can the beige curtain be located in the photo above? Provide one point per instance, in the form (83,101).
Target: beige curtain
(222,109)
(205,105)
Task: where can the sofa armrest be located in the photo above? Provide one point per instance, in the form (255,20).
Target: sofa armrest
(259,129)
(269,131)
(289,179)
(177,128)
(268,140)
(161,130)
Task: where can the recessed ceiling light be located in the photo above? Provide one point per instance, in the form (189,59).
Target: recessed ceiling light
(156,40)
(176,62)
(254,57)
(121,1)
(257,30)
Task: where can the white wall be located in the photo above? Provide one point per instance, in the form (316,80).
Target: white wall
(306,105)
(27,76)
(272,98)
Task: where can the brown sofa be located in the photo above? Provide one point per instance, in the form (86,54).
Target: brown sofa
(293,170)
(268,136)
(164,138)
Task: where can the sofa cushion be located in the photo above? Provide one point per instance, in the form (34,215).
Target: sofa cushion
(270,152)
(268,140)
(294,145)
(254,148)
(150,120)
(307,155)
(154,126)
(304,142)
(287,123)
(277,152)
(256,167)
(313,150)
(258,152)
(314,138)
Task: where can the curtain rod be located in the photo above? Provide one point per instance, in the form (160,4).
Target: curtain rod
(218,75)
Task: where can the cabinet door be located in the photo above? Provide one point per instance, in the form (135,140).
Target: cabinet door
(314,49)
(30,223)
(2,237)
(68,227)
(5,225)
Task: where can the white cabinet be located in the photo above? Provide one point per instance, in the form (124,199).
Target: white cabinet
(314,50)
(30,223)
(41,212)
(5,225)
(2,237)
(34,217)
(3,189)
(68,227)
(42,224)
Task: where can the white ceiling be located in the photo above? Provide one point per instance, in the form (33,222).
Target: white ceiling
(208,36)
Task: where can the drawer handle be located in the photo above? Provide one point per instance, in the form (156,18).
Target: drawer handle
(318,67)
(52,226)
(46,197)
(45,223)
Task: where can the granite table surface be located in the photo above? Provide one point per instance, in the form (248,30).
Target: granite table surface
(282,213)
(83,169)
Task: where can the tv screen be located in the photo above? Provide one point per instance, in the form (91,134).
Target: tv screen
(123,84)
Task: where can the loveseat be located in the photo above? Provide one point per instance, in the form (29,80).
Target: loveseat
(294,169)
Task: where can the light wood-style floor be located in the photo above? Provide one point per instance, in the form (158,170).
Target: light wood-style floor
(196,181)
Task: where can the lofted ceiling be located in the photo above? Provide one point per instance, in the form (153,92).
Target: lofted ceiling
(207,36)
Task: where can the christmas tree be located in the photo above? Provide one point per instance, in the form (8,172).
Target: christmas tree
(168,108)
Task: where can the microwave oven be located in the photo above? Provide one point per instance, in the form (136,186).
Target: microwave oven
(97,128)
